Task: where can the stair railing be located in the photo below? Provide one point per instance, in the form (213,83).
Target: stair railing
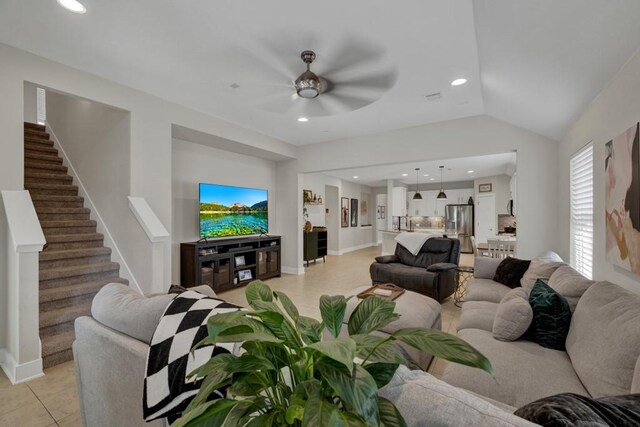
(158,235)
(21,357)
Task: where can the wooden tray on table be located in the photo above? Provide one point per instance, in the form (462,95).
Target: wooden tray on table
(396,291)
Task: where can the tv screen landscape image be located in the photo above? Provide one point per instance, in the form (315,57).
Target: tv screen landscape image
(232,211)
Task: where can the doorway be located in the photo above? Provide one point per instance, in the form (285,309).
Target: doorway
(485,217)
(332,218)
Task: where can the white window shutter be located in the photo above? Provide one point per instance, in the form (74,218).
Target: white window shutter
(581,195)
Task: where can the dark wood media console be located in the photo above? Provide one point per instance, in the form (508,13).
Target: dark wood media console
(229,263)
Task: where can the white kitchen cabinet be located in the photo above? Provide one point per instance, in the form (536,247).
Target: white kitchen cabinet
(417,207)
(399,201)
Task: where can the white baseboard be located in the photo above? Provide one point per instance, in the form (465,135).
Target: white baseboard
(356,248)
(19,373)
(125,271)
(334,253)
(292,270)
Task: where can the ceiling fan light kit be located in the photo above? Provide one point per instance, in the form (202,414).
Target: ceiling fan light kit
(308,84)
(441,195)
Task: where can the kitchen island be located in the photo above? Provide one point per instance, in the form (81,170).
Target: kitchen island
(389,243)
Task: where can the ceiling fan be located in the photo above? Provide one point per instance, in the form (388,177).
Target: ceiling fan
(346,79)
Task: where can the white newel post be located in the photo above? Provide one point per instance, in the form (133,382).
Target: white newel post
(22,359)
(158,236)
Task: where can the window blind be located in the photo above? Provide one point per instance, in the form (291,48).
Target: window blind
(581,232)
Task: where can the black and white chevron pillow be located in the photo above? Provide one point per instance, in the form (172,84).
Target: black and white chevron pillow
(167,392)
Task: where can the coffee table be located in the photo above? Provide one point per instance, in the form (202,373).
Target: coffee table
(415,310)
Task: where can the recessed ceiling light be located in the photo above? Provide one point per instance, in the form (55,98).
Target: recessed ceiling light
(432,179)
(73,5)
(405,174)
(303,119)
(426,174)
(355,176)
(470,171)
(458,82)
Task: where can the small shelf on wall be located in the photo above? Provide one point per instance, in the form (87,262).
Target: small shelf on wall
(313,204)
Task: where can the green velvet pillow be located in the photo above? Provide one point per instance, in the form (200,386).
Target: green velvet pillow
(551,316)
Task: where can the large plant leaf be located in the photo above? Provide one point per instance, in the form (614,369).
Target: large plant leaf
(341,349)
(211,383)
(222,321)
(288,305)
(332,309)
(245,385)
(213,365)
(249,363)
(371,313)
(221,412)
(376,349)
(381,372)
(444,346)
(258,291)
(249,336)
(357,391)
(310,329)
(264,420)
(318,412)
(389,414)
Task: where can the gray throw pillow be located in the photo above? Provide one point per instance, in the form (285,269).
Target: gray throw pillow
(539,270)
(548,256)
(485,268)
(514,315)
(570,284)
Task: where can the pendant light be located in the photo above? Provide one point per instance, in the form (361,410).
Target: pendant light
(441,195)
(417,195)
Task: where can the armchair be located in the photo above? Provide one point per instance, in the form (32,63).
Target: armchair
(432,272)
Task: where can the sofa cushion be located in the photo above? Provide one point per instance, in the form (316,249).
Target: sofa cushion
(523,370)
(478,315)
(413,278)
(551,316)
(485,290)
(121,308)
(570,284)
(434,250)
(549,256)
(539,270)
(485,268)
(416,394)
(604,339)
(635,383)
(570,409)
(513,316)
(510,271)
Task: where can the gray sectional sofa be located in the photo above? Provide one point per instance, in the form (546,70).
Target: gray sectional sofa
(602,356)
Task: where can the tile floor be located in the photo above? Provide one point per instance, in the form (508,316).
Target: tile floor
(52,399)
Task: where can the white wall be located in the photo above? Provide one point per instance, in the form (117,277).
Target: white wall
(30,103)
(96,139)
(195,163)
(612,112)
(472,136)
(500,186)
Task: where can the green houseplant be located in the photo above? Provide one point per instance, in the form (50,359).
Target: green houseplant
(288,375)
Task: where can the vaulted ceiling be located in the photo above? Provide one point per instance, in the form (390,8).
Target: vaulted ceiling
(534,63)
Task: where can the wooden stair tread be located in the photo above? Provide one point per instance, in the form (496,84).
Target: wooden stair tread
(64,238)
(36,126)
(79,289)
(65,314)
(69,223)
(56,343)
(32,156)
(74,253)
(78,270)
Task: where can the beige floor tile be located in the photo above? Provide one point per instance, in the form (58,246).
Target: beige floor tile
(4,380)
(57,390)
(32,415)
(72,420)
(15,397)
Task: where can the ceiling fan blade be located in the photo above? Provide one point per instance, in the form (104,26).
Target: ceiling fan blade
(262,69)
(341,103)
(352,53)
(279,103)
(375,83)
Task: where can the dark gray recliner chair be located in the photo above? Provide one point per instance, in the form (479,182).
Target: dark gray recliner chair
(432,272)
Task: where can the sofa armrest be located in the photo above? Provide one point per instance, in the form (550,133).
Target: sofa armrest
(441,266)
(386,259)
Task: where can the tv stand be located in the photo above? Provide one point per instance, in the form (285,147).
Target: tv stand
(225,264)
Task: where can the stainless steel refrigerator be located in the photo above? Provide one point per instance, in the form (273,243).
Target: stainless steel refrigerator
(459,220)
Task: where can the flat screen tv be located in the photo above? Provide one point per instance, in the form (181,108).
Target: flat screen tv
(227,211)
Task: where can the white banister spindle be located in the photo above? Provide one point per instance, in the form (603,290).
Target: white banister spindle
(22,356)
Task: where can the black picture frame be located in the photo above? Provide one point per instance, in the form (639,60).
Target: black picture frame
(485,188)
(354,212)
(344,212)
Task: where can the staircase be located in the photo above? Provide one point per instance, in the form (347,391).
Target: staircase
(74,264)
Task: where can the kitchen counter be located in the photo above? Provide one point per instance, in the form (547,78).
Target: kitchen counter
(388,238)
